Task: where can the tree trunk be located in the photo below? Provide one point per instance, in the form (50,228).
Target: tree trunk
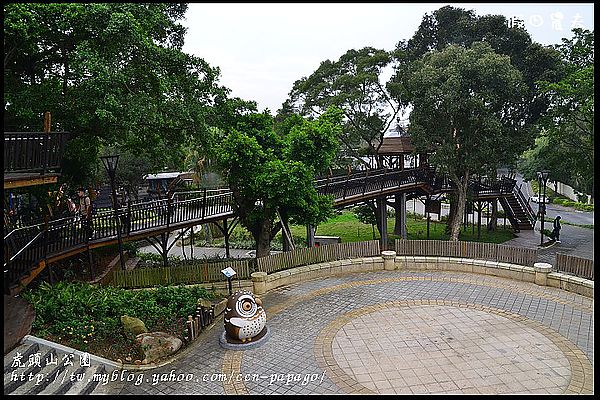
(494,216)
(462,184)
(451,213)
(263,241)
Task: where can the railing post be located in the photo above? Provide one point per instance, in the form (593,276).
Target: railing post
(204,204)
(46,250)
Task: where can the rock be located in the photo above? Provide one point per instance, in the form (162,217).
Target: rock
(156,345)
(204,303)
(137,362)
(128,359)
(133,326)
(220,307)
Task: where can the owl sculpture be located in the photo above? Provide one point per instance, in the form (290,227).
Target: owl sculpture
(245,318)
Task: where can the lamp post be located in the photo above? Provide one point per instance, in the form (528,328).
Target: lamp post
(542,179)
(110,164)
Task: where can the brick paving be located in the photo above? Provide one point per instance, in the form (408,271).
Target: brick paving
(399,332)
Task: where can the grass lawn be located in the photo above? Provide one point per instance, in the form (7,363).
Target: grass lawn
(350,229)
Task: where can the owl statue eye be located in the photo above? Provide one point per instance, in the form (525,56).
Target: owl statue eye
(246,306)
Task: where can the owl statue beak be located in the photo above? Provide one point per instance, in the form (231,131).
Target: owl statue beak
(258,301)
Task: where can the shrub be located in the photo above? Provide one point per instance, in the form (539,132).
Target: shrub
(79,313)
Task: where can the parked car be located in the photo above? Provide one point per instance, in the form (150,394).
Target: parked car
(537,199)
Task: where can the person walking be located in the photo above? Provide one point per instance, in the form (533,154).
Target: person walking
(84,209)
(555,235)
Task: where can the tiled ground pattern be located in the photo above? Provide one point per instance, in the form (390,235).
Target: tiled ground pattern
(298,313)
(445,349)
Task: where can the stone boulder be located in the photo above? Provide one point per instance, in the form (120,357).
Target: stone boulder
(156,345)
(133,326)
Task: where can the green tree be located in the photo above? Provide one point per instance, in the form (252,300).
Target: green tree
(353,84)
(110,73)
(271,169)
(568,151)
(468,106)
(457,26)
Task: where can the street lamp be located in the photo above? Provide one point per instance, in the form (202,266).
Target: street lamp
(542,179)
(110,165)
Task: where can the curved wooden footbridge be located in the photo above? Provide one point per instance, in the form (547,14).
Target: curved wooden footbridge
(28,250)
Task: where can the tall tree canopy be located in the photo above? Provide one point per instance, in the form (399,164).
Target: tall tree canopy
(353,84)
(110,73)
(450,25)
(468,107)
(567,146)
(271,169)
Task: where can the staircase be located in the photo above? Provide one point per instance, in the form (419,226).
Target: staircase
(518,211)
(53,374)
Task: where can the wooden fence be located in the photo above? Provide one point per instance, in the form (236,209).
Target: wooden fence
(581,267)
(474,250)
(185,274)
(315,255)
(202,318)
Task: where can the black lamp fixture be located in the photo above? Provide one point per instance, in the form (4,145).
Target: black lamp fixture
(543,180)
(110,163)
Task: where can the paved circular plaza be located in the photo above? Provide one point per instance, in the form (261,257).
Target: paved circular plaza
(401,332)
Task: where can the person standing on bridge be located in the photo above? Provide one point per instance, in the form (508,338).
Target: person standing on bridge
(555,235)
(85,211)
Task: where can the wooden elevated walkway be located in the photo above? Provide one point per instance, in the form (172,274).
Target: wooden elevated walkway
(28,250)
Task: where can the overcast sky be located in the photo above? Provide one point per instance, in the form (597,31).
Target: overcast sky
(262,49)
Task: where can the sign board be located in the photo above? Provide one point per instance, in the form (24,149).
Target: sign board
(228,272)
(433,206)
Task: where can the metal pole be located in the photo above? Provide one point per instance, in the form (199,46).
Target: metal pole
(229,285)
(543,212)
(114,196)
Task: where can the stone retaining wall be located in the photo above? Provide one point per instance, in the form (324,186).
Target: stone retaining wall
(540,274)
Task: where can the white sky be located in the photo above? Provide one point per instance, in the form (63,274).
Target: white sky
(262,49)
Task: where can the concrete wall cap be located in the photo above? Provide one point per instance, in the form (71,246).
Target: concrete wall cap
(542,267)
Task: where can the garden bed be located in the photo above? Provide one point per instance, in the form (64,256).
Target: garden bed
(87,317)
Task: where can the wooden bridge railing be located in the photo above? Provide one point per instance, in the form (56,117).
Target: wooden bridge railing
(25,248)
(370,182)
(37,151)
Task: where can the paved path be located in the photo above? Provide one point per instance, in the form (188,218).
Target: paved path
(397,332)
(575,241)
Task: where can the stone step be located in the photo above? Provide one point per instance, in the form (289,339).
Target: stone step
(24,375)
(24,351)
(51,377)
(55,378)
(86,384)
(65,383)
(40,380)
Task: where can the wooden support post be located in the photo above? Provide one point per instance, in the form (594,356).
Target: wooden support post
(479,209)
(91,262)
(164,239)
(402,210)
(226,233)
(382,211)
(427,200)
